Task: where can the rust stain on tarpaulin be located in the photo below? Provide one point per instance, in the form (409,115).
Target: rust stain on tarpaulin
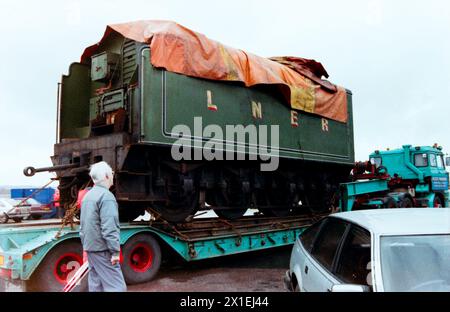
(181,50)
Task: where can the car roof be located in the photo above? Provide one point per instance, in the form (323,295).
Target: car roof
(407,221)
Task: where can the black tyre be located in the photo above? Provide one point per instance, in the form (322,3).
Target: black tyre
(57,267)
(36,217)
(18,220)
(141,259)
(389,202)
(437,203)
(406,202)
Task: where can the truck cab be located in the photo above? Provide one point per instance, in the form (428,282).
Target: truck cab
(420,167)
(412,176)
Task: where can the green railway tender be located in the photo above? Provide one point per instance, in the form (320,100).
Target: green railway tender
(117,107)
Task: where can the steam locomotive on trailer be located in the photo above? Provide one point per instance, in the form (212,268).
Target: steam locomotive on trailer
(119,105)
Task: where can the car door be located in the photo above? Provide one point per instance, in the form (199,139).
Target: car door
(354,261)
(318,265)
(302,249)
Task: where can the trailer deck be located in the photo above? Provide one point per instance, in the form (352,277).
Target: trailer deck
(25,246)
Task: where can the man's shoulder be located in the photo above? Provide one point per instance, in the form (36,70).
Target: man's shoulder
(107,195)
(98,192)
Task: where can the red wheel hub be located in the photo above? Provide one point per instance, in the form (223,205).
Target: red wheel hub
(141,258)
(66,265)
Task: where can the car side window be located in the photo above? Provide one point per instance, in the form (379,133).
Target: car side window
(307,238)
(328,242)
(354,266)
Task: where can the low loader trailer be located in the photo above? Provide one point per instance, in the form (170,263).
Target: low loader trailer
(44,255)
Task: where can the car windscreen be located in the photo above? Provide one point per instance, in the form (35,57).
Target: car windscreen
(416,263)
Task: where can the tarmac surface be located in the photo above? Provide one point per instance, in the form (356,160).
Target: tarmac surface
(260,271)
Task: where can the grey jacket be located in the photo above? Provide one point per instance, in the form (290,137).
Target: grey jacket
(99,221)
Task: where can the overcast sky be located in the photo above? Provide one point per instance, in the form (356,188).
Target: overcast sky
(393,55)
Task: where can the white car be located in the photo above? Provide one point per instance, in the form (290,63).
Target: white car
(16,209)
(390,250)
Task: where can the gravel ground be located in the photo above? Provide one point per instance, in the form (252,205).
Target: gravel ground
(260,271)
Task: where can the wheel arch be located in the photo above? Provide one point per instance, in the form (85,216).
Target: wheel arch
(296,277)
(163,240)
(294,280)
(42,255)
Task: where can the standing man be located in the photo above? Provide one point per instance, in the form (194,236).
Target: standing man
(100,232)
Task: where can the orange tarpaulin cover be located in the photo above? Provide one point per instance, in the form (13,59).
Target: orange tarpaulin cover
(181,50)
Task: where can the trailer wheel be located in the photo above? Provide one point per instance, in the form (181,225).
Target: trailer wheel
(141,259)
(57,267)
(437,203)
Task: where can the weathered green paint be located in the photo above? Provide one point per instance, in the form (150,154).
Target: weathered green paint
(179,99)
(74,111)
(78,103)
(103,65)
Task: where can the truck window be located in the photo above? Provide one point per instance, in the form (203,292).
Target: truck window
(440,162)
(377,161)
(328,241)
(421,160)
(354,260)
(433,161)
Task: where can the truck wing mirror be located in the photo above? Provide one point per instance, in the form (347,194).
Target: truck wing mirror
(447,161)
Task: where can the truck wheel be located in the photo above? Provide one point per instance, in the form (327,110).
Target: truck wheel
(141,259)
(389,202)
(437,203)
(57,268)
(406,202)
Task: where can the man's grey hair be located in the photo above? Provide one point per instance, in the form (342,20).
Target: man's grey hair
(100,171)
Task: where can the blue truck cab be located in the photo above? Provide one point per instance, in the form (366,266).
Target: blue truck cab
(424,166)
(412,176)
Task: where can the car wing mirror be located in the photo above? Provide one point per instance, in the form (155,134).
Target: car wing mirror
(350,288)
(447,161)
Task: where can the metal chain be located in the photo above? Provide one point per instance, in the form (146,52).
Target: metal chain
(158,217)
(69,216)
